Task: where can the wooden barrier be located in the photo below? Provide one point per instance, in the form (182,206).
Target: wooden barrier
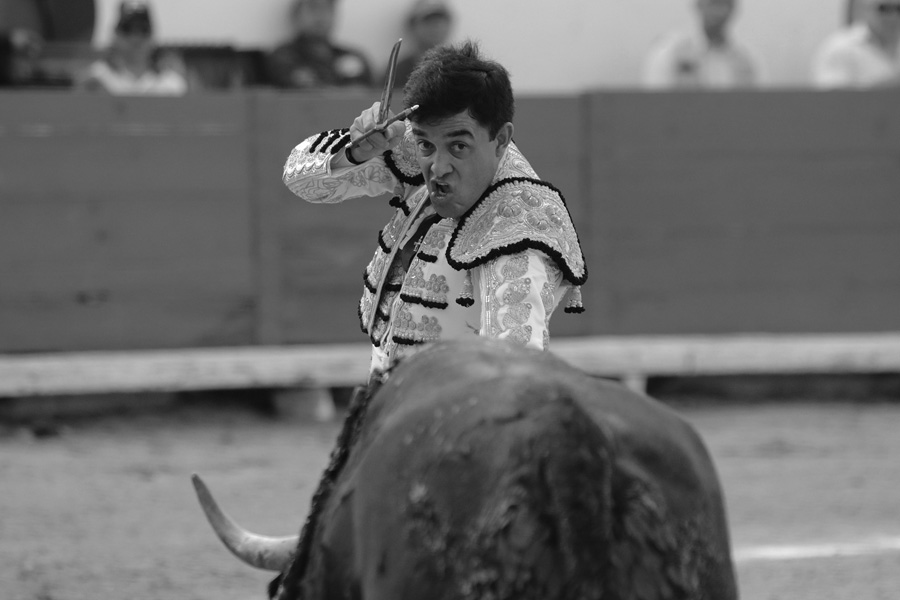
(757,212)
(162,224)
(632,359)
(124,223)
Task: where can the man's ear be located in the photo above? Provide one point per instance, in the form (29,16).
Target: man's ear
(504,137)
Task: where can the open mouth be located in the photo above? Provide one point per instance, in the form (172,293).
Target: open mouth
(439,188)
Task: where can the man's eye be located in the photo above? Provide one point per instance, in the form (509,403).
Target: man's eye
(459,147)
(423,146)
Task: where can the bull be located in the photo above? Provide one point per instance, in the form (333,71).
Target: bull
(482,470)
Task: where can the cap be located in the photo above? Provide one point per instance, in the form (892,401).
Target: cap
(134,16)
(429,8)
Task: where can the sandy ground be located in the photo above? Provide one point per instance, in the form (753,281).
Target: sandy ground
(104,508)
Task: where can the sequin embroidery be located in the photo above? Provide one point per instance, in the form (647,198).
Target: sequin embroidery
(431,292)
(510,313)
(408,330)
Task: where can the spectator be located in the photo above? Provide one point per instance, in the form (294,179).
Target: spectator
(311,59)
(851,12)
(19,52)
(133,65)
(707,58)
(865,53)
(428,25)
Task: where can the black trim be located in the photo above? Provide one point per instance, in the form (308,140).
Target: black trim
(318,141)
(335,134)
(518,247)
(342,143)
(359,314)
(392,165)
(466,302)
(406,341)
(380,315)
(426,257)
(398,203)
(382,244)
(574,310)
(372,289)
(427,303)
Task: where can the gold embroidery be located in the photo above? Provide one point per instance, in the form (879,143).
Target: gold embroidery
(509,313)
(517,291)
(516,215)
(547,299)
(410,330)
(515,267)
(521,335)
(430,292)
(435,240)
(517,315)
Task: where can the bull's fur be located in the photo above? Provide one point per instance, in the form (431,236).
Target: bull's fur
(480,470)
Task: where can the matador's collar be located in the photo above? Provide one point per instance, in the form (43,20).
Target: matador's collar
(518,212)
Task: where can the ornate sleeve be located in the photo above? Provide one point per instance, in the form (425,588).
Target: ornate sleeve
(308,172)
(309,175)
(519,293)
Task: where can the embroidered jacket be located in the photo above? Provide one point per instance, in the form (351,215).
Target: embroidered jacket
(499,271)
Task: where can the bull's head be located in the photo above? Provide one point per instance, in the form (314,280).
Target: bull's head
(262,552)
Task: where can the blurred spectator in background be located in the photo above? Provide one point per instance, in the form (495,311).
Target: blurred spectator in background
(428,24)
(311,59)
(19,51)
(133,65)
(704,58)
(851,12)
(864,54)
(37,36)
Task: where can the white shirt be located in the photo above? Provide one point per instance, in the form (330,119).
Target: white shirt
(851,58)
(687,60)
(166,82)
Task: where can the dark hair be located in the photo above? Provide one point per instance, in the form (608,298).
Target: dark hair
(134,16)
(449,80)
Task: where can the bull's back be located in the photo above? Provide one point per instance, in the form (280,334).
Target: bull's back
(495,471)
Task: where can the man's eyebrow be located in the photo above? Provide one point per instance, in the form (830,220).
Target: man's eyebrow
(452,134)
(461,133)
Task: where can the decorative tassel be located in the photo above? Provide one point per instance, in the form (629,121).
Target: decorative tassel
(574,303)
(467,296)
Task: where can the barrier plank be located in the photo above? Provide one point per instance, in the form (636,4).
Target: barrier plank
(632,359)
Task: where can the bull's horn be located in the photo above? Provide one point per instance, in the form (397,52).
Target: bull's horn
(262,552)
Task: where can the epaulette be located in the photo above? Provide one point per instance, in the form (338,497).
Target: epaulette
(516,213)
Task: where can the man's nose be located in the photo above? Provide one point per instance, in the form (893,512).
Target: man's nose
(441,166)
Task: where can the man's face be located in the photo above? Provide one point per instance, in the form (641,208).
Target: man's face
(459,160)
(431,30)
(134,43)
(715,13)
(314,17)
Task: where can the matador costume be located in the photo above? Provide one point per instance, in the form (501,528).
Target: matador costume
(499,271)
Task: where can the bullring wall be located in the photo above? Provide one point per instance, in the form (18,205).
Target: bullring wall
(162,223)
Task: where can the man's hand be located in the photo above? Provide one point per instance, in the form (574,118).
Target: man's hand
(378,143)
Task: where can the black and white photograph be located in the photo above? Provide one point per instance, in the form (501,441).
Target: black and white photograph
(450,299)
